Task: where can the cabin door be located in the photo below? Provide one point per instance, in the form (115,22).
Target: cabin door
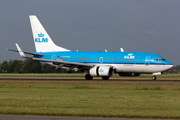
(147,60)
(53,57)
(101,60)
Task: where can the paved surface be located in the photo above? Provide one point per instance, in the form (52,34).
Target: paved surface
(31,117)
(92,80)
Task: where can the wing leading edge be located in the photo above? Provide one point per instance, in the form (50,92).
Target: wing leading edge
(22,54)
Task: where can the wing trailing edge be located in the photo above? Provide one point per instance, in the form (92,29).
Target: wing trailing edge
(22,54)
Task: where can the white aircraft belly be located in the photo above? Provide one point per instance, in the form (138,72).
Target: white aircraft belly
(139,68)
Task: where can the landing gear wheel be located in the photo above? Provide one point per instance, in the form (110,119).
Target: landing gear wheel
(153,77)
(105,78)
(88,77)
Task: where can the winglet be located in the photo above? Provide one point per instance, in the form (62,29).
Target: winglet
(20,51)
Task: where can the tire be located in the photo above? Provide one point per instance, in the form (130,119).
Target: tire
(153,77)
(88,77)
(105,78)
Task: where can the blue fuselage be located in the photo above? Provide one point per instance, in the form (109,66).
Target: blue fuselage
(106,57)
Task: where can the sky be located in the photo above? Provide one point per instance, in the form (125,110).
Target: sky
(151,26)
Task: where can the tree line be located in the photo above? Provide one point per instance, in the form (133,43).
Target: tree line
(27,66)
(33,66)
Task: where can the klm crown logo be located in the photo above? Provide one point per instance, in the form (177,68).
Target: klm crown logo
(41,35)
(101,70)
(41,38)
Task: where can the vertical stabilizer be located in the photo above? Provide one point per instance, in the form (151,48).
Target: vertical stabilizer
(42,41)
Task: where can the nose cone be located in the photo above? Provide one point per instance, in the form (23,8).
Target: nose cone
(169,65)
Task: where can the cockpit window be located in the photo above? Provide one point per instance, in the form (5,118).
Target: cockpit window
(158,59)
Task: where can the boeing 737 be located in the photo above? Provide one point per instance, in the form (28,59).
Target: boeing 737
(103,64)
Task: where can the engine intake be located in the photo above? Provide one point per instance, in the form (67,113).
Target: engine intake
(101,71)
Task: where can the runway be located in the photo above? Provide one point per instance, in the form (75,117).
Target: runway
(130,80)
(33,117)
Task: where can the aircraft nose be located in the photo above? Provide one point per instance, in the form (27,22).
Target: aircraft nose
(170,66)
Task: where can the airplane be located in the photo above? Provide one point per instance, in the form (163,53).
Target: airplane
(103,64)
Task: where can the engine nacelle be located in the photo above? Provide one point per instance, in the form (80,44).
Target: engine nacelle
(128,74)
(101,71)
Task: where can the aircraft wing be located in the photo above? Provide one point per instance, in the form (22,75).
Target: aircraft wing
(25,52)
(22,54)
(69,65)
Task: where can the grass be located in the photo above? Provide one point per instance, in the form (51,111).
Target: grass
(91,98)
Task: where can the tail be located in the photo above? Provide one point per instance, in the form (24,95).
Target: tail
(42,41)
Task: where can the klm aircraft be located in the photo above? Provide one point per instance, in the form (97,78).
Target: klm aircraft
(102,64)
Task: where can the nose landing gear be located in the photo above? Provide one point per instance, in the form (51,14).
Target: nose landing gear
(155,74)
(153,77)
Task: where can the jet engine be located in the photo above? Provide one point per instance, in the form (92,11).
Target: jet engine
(101,71)
(128,74)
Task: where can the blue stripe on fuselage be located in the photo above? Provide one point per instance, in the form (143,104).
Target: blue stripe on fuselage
(105,57)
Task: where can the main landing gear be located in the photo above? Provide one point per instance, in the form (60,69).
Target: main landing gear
(105,77)
(89,77)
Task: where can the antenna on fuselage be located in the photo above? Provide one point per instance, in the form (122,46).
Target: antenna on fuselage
(121,49)
(105,50)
